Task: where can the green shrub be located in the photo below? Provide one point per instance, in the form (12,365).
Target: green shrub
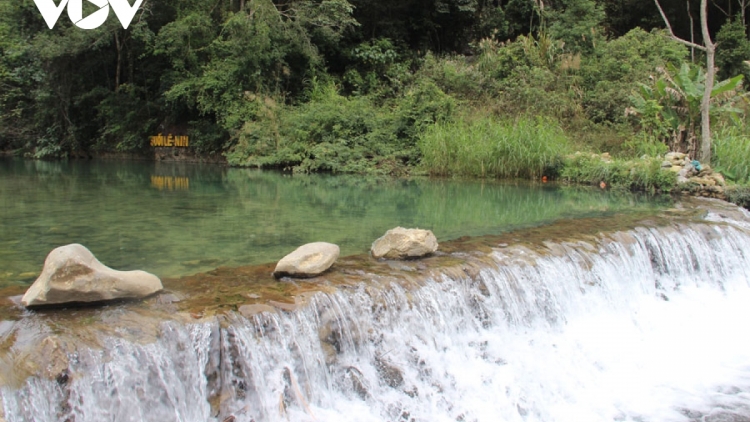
(612,71)
(422,105)
(540,91)
(638,175)
(498,59)
(377,69)
(333,133)
(487,147)
(455,76)
(328,133)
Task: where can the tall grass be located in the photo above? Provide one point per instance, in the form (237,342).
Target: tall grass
(487,147)
(636,175)
(731,155)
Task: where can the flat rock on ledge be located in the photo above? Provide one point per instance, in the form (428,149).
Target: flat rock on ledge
(401,243)
(73,274)
(308,260)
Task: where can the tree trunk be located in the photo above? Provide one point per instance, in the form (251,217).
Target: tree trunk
(692,33)
(118,46)
(704,152)
(705,149)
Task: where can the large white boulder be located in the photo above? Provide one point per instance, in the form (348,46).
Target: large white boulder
(308,260)
(401,243)
(72,273)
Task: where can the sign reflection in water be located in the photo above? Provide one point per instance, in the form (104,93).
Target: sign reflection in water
(170,183)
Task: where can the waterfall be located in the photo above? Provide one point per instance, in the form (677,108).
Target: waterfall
(649,324)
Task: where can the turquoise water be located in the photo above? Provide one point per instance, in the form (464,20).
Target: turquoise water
(179,219)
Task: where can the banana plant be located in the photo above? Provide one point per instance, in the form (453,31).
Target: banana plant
(678,94)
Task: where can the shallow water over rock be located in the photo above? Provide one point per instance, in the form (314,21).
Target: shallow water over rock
(631,317)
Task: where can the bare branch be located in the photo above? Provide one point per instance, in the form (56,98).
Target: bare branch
(671,32)
(716,5)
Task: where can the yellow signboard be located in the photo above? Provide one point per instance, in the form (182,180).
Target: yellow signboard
(169,141)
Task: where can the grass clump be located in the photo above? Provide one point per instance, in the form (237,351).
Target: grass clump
(739,195)
(643,174)
(488,147)
(731,155)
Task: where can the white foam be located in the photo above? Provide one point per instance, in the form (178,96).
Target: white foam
(650,327)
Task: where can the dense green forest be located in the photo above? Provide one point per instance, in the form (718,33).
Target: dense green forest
(480,87)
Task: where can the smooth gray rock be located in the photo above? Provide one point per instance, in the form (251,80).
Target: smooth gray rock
(308,260)
(688,171)
(401,243)
(72,273)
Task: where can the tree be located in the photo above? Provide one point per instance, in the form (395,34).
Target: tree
(733,49)
(577,23)
(709,47)
(729,12)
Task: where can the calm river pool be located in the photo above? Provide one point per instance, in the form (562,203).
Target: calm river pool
(179,219)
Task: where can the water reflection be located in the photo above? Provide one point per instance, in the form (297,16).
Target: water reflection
(176,219)
(170,183)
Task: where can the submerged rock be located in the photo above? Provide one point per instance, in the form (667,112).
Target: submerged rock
(52,357)
(401,243)
(72,273)
(248,311)
(390,374)
(308,260)
(358,382)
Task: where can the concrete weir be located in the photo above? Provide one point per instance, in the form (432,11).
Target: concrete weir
(585,319)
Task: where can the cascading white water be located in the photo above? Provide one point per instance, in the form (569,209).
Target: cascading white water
(645,325)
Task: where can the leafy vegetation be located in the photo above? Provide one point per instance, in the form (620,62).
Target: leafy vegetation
(389,87)
(670,108)
(734,49)
(341,134)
